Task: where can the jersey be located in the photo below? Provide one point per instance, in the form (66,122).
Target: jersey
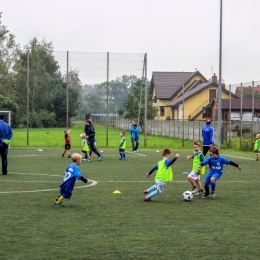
(67,139)
(198,158)
(122,144)
(164,172)
(257,145)
(216,165)
(71,175)
(85,146)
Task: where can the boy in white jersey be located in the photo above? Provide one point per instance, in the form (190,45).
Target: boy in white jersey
(194,176)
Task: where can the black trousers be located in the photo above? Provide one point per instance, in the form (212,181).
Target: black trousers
(92,146)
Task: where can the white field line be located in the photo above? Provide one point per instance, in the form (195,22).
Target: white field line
(238,157)
(34,191)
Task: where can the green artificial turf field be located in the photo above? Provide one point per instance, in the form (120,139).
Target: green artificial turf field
(98,224)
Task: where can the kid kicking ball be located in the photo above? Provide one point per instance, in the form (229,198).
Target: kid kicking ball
(187,195)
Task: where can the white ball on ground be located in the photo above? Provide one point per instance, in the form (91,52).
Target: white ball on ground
(187,195)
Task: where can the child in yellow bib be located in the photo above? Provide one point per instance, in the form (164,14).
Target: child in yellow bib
(194,176)
(163,175)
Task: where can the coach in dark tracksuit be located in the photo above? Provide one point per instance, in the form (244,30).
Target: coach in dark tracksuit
(90,132)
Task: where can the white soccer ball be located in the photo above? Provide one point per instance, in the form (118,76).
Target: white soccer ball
(80,135)
(187,195)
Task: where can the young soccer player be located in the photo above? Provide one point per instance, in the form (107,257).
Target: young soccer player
(194,176)
(72,173)
(257,146)
(122,146)
(216,163)
(67,146)
(163,175)
(85,148)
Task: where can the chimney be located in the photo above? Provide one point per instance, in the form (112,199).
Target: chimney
(215,78)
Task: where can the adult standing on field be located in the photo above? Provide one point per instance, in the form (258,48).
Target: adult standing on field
(90,133)
(134,131)
(208,137)
(5,136)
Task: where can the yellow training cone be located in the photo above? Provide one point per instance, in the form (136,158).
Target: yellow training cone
(116,192)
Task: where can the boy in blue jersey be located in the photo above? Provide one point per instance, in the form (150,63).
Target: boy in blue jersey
(163,175)
(71,175)
(216,163)
(122,146)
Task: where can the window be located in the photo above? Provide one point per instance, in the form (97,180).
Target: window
(155,99)
(161,111)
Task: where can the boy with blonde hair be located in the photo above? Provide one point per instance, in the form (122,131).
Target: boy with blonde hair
(72,173)
(122,146)
(85,148)
(194,176)
(164,174)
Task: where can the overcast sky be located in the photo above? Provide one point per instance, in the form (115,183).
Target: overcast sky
(177,35)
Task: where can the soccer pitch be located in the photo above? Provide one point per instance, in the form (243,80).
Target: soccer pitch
(98,224)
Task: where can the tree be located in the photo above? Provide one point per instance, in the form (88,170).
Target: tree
(95,103)
(8,105)
(132,104)
(248,93)
(60,104)
(8,55)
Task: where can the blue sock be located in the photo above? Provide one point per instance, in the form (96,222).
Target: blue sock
(123,155)
(213,186)
(151,188)
(154,193)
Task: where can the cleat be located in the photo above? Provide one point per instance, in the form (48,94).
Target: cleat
(100,157)
(88,160)
(134,151)
(145,192)
(194,190)
(212,195)
(62,155)
(84,159)
(148,200)
(198,193)
(69,156)
(205,195)
(120,158)
(257,159)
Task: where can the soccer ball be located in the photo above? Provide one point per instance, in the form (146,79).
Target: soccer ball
(187,195)
(80,135)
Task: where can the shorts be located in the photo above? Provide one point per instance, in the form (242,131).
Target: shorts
(194,175)
(67,147)
(214,175)
(121,150)
(160,186)
(256,151)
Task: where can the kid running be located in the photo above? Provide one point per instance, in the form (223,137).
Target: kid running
(216,163)
(163,175)
(67,146)
(194,176)
(72,173)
